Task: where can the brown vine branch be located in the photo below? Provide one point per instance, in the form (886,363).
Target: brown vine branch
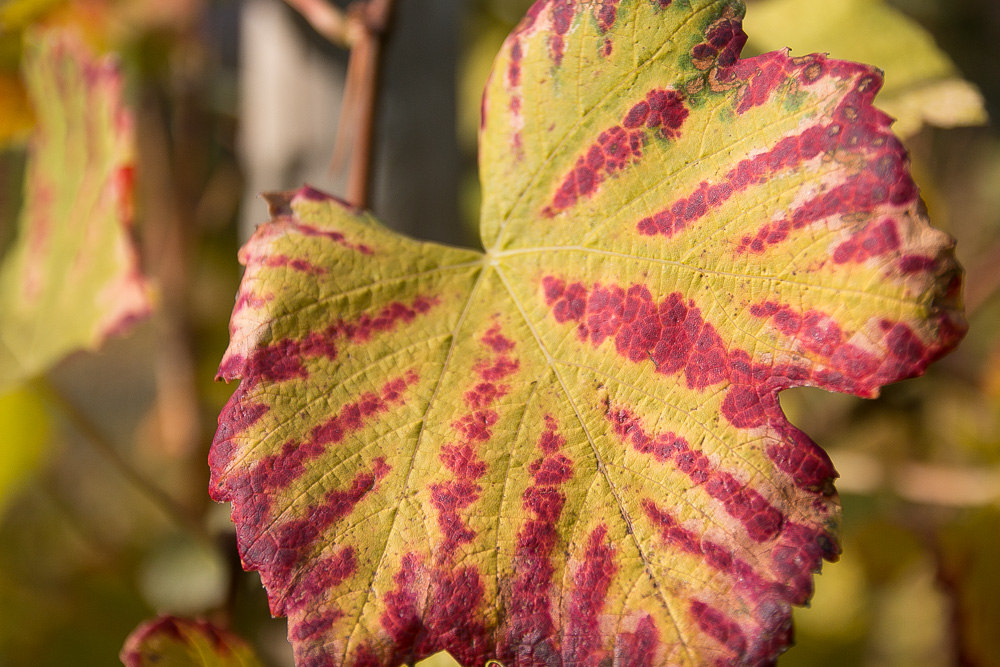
(103,445)
(982,279)
(361,29)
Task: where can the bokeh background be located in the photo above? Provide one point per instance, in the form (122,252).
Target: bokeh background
(236,97)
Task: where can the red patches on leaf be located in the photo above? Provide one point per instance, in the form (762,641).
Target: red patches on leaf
(279,261)
(484,394)
(449,622)
(674,337)
(496,341)
(761,521)
(403,613)
(514,67)
(638,649)
(323,576)
(276,548)
(563,13)
(662,112)
(283,360)
(336,237)
(311,627)
(280,551)
(724,630)
(453,621)
(452,497)
(856,195)
(872,241)
(671,334)
(847,367)
(800,554)
(606,14)
(527,636)
(763,75)
(724,40)
(768,597)
(591,580)
(462,460)
(498,369)
(858,129)
(909,264)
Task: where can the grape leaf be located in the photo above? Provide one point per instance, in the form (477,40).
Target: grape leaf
(922,84)
(569,449)
(71,279)
(178,642)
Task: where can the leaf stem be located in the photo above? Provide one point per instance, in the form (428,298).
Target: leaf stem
(103,446)
(327,20)
(361,29)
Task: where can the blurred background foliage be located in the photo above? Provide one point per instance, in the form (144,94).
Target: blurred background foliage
(86,553)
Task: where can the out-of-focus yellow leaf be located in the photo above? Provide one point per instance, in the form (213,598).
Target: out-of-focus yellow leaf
(24,434)
(922,85)
(18,14)
(71,278)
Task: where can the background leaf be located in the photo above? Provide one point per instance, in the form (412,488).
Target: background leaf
(71,278)
(569,449)
(177,642)
(922,84)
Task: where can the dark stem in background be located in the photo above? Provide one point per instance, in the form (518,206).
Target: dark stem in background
(361,29)
(103,445)
(982,280)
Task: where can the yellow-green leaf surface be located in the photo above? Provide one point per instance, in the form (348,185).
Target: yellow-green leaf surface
(71,278)
(922,84)
(178,642)
(568,450)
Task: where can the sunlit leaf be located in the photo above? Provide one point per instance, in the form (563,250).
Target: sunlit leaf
(922,84)
(569,449)
(178,642)
(439,660)
(71,279)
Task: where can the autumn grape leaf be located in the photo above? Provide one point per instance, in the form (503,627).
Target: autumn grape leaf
(178,642)
(922,84)
(569,449)
(71,279)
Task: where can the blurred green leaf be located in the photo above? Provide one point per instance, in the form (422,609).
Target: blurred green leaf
(922,85)
(24,436)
